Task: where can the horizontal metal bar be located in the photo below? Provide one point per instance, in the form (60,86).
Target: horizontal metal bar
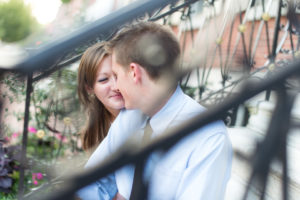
(58,67)
(47,55)
(171,11)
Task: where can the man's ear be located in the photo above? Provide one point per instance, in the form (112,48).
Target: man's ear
(135,72)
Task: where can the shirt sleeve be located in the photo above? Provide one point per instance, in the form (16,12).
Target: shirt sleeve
(101,152)
(103,189)
(88,192)
(106,187)
(208,170)
(121,129)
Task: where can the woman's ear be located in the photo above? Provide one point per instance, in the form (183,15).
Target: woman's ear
(89,89)
(135,72)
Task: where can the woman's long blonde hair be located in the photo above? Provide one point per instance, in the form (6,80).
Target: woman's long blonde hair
(98,117)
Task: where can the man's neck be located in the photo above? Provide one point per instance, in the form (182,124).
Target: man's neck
(159,102)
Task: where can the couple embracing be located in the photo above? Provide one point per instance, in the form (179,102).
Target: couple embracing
(142,66)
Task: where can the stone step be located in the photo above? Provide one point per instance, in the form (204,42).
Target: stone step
(244,140)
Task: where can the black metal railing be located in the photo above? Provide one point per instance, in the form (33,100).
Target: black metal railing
(49,59)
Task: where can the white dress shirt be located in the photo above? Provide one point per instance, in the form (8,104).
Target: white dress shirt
(197,167)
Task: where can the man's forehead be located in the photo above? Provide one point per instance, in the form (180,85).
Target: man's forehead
(113,55)
(115,64)
(114,59)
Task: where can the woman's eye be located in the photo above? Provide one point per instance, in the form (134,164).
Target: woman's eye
(102,79)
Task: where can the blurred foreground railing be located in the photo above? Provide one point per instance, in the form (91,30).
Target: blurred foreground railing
(53,57)
(272,147)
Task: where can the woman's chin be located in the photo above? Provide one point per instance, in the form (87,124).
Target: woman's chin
(119,106)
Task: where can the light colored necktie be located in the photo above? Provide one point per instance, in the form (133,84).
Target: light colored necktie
(147,132)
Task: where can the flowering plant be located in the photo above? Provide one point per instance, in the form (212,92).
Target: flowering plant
(9,157)
(52,132)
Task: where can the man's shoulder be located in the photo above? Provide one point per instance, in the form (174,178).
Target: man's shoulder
(190,107)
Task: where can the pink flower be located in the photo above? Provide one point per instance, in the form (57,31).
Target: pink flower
(62,138)
(32,129)
(39,176)
(7,139)
(15,135)
(35,182)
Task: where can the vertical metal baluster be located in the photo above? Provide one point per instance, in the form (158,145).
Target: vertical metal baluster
(252,35)
(239,35)
(246,60)
(205,63)
(267,30)
(224,71)
(268,149)
(25,137)
(276,34)
(291,40)
(283,154)
(285,180)
(275,40)
(260,28)
(291,16)
(215,52)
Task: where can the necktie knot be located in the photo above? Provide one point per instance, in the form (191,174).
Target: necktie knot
(147,131)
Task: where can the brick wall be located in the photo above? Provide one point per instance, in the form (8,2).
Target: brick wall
(208,35)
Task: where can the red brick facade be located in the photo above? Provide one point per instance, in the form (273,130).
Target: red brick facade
(261,53)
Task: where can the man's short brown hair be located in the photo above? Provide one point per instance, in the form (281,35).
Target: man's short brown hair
(151,45)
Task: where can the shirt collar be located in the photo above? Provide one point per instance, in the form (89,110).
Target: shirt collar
(161,120)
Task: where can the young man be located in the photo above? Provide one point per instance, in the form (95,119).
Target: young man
(145,57)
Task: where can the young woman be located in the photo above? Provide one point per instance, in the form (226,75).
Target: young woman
(95,90)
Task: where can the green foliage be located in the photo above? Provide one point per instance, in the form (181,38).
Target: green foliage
(190,91)
(16,88)
(4,196)
(60,93)
(65,1)
(53,100)
(16,22)
(9,175)
(56,95)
